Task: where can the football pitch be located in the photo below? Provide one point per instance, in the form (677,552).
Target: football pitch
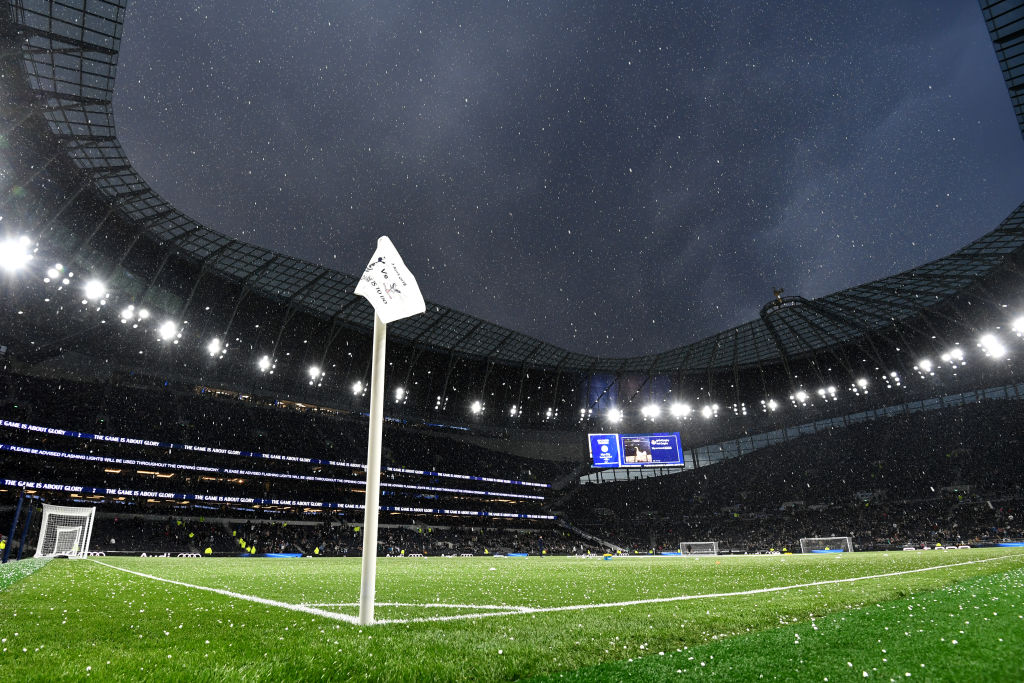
(936,615)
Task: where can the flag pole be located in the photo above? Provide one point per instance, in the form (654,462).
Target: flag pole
(368,580)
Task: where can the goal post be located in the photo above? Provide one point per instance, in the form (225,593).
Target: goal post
(65,531)
(827,544)
(698,547)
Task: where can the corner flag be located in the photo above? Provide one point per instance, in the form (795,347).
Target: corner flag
(392,291)
(389,286)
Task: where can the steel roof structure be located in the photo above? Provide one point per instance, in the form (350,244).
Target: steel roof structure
(66,54)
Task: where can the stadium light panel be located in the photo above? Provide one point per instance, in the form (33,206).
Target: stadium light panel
(614,415)
(992,346)
(314,372)
(476,408)
(862,383)
(801,396)
(94,290)
(214,347)
(168,330)
(52,273)
(143,314)
(925,365)
(512,411)
(127,313)
(15,253)
(264,363)
(650,411)
(681,410)
(773,405)
(706,412)
(1018,326)
(357,388)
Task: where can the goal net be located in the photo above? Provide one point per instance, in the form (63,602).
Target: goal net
(828,544)
(65,531)
(698,548)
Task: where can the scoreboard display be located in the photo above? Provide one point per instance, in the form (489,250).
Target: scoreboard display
(635,450)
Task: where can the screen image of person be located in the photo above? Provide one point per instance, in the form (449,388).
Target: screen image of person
(637,450)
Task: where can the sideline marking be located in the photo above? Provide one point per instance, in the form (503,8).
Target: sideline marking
(682,598)
(242,596)
(512,610)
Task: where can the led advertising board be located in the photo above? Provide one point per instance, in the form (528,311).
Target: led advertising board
(635,450)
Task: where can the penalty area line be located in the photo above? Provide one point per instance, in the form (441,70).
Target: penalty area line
(242,596)
(683,598)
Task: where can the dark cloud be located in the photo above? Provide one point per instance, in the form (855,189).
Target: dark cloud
(616,178)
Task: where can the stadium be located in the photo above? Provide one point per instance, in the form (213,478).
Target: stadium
(831,490)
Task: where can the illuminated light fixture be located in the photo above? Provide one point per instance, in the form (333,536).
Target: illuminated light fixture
(314,372)
(476,408)
(15,254)
(52,273)
(801,396)
(399,394)
(773,405)
(650,411)
(706,412)
(991,345)
(357,388)
(614,415)
(512,411)
(127,313)
(821,392)
(214,347)
(1018,326)
(680,410)
(94,290)
(168,330)
(143,314)
(264,363)
(862,383)
(925,365)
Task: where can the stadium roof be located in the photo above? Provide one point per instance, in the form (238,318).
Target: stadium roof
(69,50)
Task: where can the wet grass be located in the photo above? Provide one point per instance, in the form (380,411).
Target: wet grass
(78,619)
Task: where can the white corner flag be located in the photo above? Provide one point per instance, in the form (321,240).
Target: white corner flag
(389,286)
(392,290)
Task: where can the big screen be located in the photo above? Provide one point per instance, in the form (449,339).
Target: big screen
(635,450)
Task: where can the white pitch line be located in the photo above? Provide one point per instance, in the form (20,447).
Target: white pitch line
(241,596)
(682,598)
(511,609)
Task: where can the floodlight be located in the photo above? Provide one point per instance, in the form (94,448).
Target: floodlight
(680,410)
(476,408)
(15,254)
(264,363)
(143,313)
(614,415)
(773,405)
(399,393)
(127,313)
(94,290)
(167,330)
(706,412)
(862,383)
(314,372)
(651,411)
(821,392)
(925,365)
(801,396)
(1018,326)
(52,273)
(512,411)
(214,347)
(992,346)
(357,388)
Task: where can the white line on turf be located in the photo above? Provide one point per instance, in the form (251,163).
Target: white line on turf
(681,598)
(242,596)
(511,610)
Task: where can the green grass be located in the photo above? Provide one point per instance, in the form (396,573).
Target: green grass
(77,619)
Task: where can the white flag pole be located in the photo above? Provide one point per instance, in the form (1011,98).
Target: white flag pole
(368,581)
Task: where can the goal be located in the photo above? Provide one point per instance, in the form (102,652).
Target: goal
(65,531)
(827,544)
(698,548)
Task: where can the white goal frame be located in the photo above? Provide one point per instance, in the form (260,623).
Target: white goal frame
(826,544)
(698,548)
(65,531)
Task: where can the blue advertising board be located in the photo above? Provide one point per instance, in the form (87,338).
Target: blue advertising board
(635,450)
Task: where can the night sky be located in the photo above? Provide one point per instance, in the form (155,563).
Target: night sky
(616,177)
